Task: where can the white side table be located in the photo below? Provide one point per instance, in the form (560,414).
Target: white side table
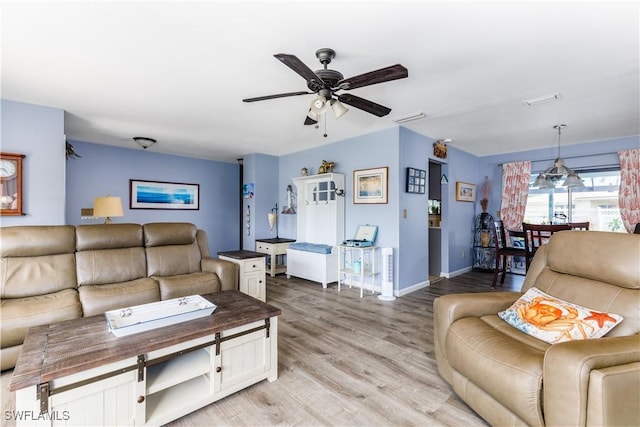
(253,277)
(357,262)
(274,248)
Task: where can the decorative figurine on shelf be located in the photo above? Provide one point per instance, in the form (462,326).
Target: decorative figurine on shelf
(326,167)
(304,172)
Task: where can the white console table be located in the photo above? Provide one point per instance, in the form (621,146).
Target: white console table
(78,373)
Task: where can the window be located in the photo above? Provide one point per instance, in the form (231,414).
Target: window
(597,202)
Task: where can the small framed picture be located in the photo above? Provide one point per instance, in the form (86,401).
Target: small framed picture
(370,186)
(465,192)
(416,180)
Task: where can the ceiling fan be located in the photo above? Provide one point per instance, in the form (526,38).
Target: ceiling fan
(325,83)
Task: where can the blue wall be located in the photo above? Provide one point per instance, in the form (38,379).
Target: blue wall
(37,132)
(261,170)
(106,170)
(56,189)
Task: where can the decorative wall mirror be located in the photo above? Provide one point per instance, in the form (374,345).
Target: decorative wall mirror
(11,180)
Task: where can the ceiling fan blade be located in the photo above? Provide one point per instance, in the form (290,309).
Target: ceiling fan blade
(386,74)
(299,67)
(280,95)
(364,104)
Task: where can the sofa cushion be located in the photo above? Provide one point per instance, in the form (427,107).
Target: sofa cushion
(97,299)
(36,260)
(40,275)
(554,320)
(19,314)
(508,369)
(200,283)
(173,260)
(318,248)
(37,240)
(103,266)
(169,233)
(108,236)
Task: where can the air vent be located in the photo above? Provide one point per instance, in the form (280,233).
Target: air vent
(410,117)
(542,99)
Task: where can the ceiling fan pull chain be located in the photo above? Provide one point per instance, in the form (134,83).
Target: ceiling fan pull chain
(325,123)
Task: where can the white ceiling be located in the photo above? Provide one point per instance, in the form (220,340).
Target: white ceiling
(177,71)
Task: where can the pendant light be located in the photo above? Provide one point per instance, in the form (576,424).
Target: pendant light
(556,171)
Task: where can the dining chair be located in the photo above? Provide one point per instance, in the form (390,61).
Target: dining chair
(503,251)
(538,234)
(579,225)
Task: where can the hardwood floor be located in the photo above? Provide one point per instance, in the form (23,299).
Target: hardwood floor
(347,361)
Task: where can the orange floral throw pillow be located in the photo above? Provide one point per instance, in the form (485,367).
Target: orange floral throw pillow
(553,320)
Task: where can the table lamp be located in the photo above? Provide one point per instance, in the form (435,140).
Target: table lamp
(107,207)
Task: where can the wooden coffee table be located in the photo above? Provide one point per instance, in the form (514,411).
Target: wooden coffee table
(80,373)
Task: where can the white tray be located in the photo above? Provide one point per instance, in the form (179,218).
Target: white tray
(145,317)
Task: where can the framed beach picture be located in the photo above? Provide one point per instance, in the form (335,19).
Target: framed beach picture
(465,192)
(370,186)
(163,195)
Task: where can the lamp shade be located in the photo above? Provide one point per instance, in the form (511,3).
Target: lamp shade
(573,181)
(318,105)
(543,182)
(338,108)
(107,207)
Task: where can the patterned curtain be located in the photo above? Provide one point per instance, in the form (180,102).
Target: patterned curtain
(629,193)
(515,189)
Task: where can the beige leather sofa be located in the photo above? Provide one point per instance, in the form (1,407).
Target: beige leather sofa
(54,273)
(511,378)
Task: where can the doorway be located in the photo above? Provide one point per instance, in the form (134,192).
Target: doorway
(434,212)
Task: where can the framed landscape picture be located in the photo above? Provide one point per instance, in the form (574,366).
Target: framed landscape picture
(465,192)
(370,186)
(163,195)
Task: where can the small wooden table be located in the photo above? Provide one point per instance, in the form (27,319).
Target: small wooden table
(79,372)
(252,272)
(274,248)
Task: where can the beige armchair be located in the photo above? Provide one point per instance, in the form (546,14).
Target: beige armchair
(512,378)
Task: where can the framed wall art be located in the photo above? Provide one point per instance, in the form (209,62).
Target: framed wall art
(416,181)
(11,179)
(163,195)
(465,192)
(370,186)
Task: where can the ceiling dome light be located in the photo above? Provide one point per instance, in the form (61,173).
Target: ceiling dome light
(144,142)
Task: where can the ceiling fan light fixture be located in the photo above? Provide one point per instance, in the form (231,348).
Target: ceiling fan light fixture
(338,108)
(312,118)
(318,105)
